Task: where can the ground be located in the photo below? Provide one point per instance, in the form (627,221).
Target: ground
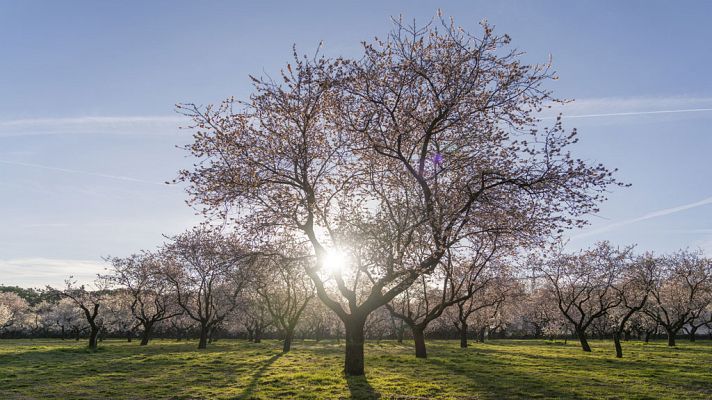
(234,369)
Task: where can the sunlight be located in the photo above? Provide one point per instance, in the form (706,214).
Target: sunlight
(335,261)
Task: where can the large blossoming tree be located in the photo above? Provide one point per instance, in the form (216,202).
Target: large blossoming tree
(425,142)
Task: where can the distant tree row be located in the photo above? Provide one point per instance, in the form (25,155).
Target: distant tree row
(200,284)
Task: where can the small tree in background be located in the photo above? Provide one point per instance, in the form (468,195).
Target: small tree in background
(681,290)
(286,292)
(583,285)
(152,297)
(207,271)
(90,300)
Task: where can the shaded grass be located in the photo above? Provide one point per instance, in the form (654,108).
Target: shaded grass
(230,369)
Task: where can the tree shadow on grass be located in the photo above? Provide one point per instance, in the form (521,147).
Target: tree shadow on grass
(359,388)
(250,389)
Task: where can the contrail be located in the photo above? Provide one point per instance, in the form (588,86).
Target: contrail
(623,114)
(76,171)
(650,215)
(92,125)
(94,120)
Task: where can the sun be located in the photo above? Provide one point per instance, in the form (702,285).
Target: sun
(335,261)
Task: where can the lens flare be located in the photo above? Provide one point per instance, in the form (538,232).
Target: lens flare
(335,261)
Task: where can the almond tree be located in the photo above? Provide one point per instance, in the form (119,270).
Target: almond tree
(428,138)
(89,299)
(119,319)
(318,321)
(12,310)
(633,290)
(254,316)
(583,285)
(454,281)
(153,299)
(286,292)
(181,326)
(701,317)
(488,294)
(540,310)
(207,271)
(681,290)
(66,317)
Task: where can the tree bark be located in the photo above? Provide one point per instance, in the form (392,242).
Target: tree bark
(92,337)
(647,336)
(584,342)
(203,342)
(258,335)
(617,341)
(419,338)
(354,359)
(463,336)
(693,333)
(288,336)
(671,337)
(146,335)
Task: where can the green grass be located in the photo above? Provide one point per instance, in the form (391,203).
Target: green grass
(231,369)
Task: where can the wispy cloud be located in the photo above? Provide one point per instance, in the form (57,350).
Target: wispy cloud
(38,272)
(650,215)
(634,113)
(80,172)
(631,106)
(162,125)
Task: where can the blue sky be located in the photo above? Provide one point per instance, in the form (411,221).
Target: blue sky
(88,132)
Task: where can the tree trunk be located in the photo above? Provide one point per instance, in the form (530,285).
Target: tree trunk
(671,337)
(203,342)
(693,332)
(92,337)
(647,336)
(584,342)
(626,335)
(354,360)
(287,345)
(481,334)
(211,334)
(617,341)
(146,335)
(258,335)
(463,336)
(419,338)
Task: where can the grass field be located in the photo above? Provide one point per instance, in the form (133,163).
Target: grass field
(236,369)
